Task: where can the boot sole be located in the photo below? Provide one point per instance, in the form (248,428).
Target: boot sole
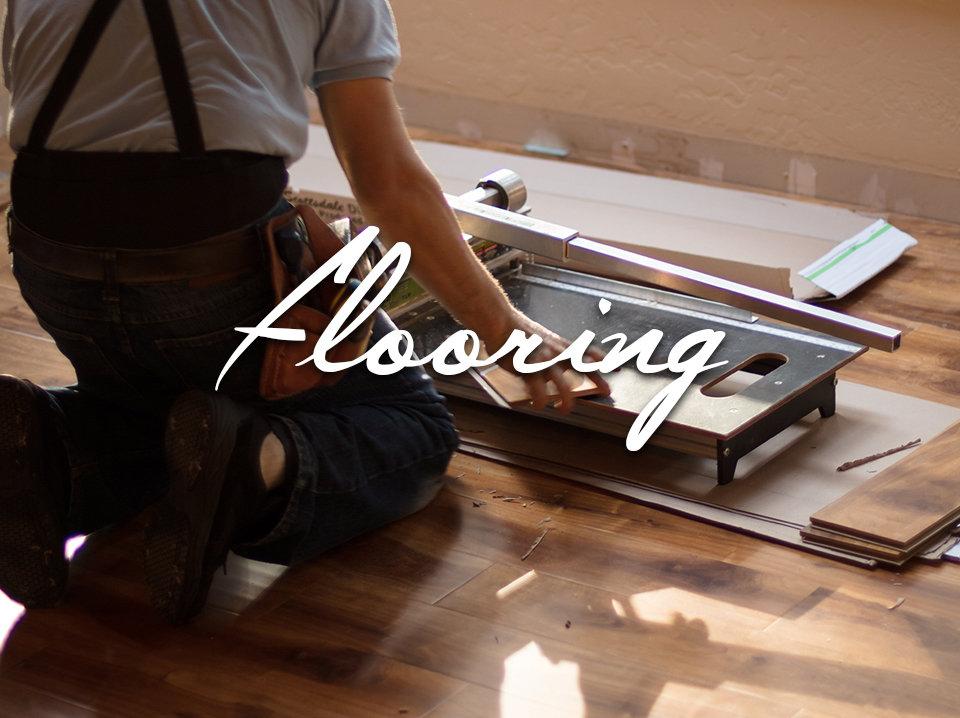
(175,542)
(33,569)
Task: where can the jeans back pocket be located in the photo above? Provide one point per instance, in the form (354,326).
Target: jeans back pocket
(197,361)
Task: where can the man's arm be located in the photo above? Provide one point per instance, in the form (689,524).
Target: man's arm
(399,194)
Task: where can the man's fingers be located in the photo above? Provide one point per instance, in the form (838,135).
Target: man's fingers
(550,347)
(537,387)
(596,354)
(601,383)
(557,375)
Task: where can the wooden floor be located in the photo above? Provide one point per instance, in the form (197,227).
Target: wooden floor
(620,611)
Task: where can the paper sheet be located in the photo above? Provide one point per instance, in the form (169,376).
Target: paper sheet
(863,256)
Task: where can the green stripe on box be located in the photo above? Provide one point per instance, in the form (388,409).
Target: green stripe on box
(847,252)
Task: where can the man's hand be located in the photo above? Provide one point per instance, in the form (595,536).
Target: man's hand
(553,344)
(399,194)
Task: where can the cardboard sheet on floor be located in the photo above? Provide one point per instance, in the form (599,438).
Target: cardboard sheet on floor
(777,487)
(756,239)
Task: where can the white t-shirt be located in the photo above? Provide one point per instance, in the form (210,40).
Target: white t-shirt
(249,62)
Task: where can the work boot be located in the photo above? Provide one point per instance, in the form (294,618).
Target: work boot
(34,486)
(212,447)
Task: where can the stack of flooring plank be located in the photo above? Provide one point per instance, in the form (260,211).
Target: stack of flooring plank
(906,511)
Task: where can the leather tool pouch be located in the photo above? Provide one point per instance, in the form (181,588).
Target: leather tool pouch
(298,242)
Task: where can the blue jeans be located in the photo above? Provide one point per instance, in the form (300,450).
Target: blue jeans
(370,449)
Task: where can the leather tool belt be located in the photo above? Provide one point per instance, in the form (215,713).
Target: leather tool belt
(297,243)
(294,245)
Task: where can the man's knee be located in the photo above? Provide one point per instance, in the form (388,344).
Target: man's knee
(424,481)
(445,440)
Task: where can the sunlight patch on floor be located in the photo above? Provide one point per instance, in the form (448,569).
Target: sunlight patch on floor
(722,620)
(244,582)
(529,675)
(817,637)
(73,545)
(10,613)
(618,608)
(681,700)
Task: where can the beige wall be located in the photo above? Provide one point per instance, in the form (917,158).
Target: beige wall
(871,82)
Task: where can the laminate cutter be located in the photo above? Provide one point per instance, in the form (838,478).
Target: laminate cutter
(795,349)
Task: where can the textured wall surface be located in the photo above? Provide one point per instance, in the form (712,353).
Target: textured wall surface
(876,81)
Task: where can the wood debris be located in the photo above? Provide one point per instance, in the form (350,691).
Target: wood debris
(506,499)
(895,606)
(533,546)
(873,457)
(477,503)
(544,520)
(567,624)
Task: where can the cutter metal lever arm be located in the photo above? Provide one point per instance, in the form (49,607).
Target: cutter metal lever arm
(480,216)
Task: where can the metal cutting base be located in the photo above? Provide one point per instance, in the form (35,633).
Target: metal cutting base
(797,367)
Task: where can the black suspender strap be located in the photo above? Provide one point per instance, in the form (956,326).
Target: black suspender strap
(71,70)
(173,70)
(176,81)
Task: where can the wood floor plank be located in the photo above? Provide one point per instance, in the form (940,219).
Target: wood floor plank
(19,700)
(599,549)
(115,690)
(106,621)
(323,681)
(7,280)
(430,568)
(905,502)
(479,702)
(33,358)
(709,642)
(209,667)
(676,700)
(380,618)
(532,653)
(918,294)
(16,316)
(927,365)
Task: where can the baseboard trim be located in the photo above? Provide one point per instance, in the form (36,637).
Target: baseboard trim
(877,188)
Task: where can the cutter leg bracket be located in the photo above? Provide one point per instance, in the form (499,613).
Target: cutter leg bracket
(822,398)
